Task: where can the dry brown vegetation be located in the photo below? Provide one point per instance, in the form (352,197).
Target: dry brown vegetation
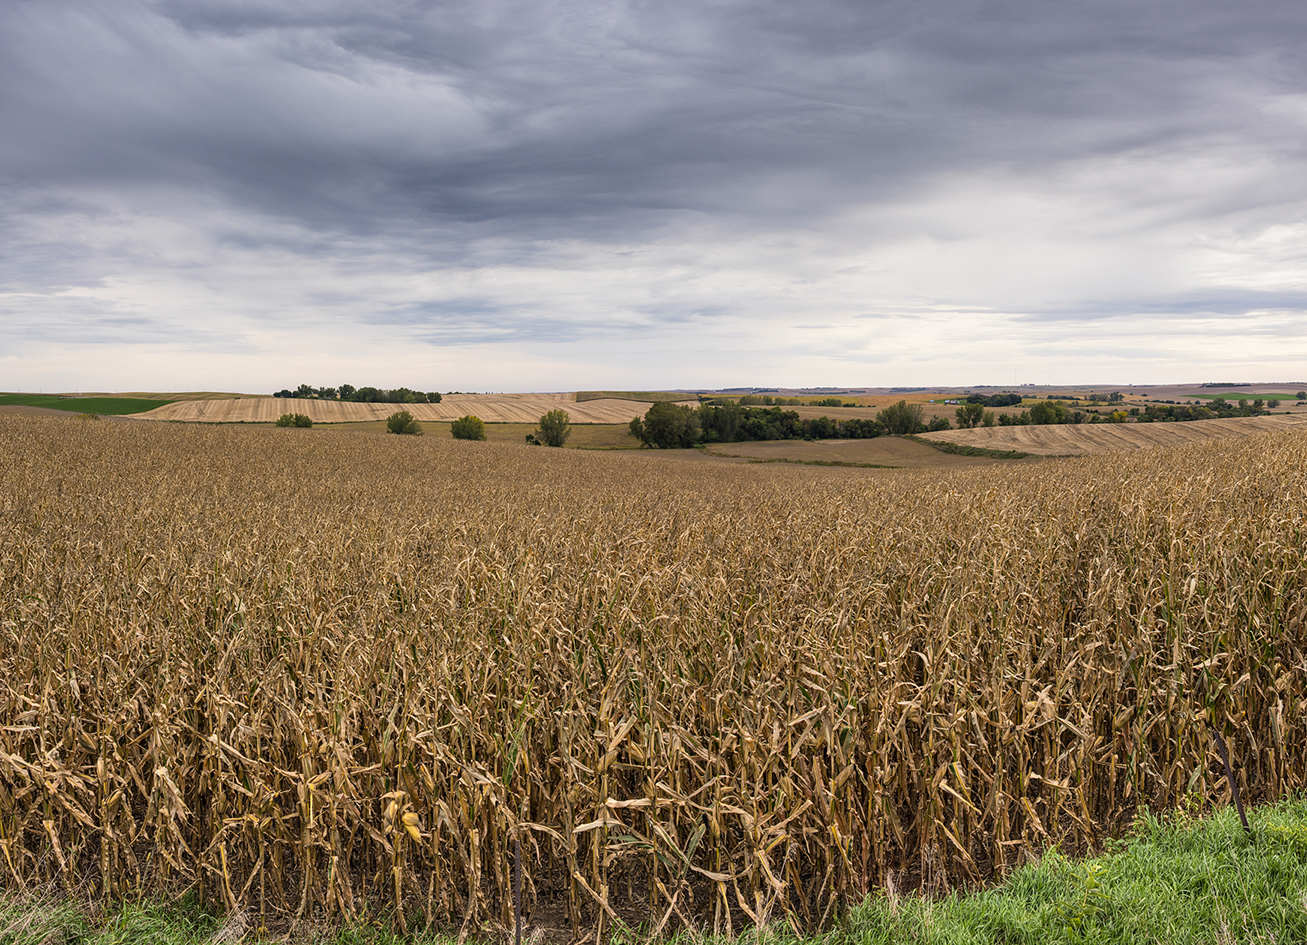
(1085,438)
(308,673)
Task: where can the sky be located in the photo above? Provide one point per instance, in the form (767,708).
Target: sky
(516,195)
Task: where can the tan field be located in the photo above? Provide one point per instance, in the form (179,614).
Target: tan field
(492,408)
(1084,439)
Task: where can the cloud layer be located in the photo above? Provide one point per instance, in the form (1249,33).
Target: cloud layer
(513,195)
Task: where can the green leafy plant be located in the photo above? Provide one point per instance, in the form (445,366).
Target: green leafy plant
(295,420)
(402,422)
(555,428)
(468,428)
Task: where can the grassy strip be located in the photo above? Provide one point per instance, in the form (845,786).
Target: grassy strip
(958,449)
(101,406)
(801,462)
(1186,880)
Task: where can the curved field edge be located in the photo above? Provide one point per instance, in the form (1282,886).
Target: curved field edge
(516,408)
(317,676)
(1174,880)
(1085,438)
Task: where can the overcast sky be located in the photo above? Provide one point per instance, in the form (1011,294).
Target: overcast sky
(536,195)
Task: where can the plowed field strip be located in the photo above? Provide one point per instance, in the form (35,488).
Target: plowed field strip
(1083,439)
(506,409)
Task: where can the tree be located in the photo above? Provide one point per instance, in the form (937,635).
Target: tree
(555,428)
(1272,403)
(667,426)
(937,423)
(304,392)
(433,397)
(1047,412)
(402,422)
(346,391)
(969,415)
(294,420)
(901,418)
(468,428)
(1302,395)
(989,418)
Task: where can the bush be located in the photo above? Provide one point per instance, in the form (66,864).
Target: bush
(555,428)
(294,420)
(402,422)
(468,428)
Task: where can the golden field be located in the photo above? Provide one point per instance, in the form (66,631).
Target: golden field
(311,675)
(1084,438)
(492,408)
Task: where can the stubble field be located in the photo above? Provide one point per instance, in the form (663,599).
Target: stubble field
(1081,439)
(311,676)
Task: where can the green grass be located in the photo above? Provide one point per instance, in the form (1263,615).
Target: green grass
(102,406)
(1187,881)
(1184,880)
(945,446)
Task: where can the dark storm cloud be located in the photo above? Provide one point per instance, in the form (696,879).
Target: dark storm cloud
(520,172)
(597,119)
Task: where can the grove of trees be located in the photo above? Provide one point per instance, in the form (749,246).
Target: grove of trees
(672,426)
(364,395)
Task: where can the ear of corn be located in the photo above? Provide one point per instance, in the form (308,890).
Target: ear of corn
(311,676)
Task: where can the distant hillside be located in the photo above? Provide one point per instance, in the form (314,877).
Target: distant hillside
(1085,438)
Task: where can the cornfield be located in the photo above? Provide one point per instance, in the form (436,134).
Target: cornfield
(316,675)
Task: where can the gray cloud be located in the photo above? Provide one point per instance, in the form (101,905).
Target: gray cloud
(518,172)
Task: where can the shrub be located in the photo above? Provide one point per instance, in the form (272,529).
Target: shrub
(402,422)
(468,428)
(555,428)
(294,420)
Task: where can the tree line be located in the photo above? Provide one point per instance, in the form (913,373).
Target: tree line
(672,426)
(361,395)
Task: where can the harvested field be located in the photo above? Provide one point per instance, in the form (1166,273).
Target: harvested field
(492,408)
(315,675)
(1083,439)
(880,451)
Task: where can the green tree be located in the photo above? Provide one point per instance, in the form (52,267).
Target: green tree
(294,420)
(1049,411)
(555,428)
(667,426)
(433,397)
(901,418)
(304,392)
(1272,403)
(468,428)
(970,415)
(402,422)
(1302,395)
